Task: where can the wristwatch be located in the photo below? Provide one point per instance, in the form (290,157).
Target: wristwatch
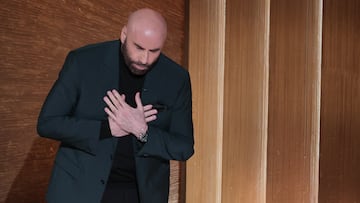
(143,137)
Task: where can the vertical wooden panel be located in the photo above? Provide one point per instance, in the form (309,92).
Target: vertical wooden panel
(294,96)
(206,66)
(35,36)
(340,103)
(245,101)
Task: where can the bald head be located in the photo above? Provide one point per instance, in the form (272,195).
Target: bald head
(147,20)
(143,38)
(146,24)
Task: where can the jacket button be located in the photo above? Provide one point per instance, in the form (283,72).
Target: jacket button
(102,181)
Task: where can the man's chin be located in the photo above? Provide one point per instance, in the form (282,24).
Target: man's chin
(137,71)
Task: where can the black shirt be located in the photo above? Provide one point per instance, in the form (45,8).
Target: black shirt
(123,172)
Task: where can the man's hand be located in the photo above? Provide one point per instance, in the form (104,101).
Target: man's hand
(125,119)
(115,129)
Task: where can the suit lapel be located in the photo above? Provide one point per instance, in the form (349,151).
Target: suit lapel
(110,67)
(110,71)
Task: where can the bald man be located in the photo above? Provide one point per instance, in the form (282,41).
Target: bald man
(121,111)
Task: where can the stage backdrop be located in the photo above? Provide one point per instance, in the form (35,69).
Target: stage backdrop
(35,37)
(276,94)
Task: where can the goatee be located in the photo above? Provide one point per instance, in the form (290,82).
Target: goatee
(130,63)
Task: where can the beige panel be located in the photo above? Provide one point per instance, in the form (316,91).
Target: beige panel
(35,36)
(294,96)
(206,66)
(245,101)
(340,103)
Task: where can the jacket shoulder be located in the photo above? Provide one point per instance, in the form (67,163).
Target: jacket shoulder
(96,49)
(167,65)
(94,55)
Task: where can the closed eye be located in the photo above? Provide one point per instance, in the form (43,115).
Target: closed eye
(142,48)
(154,50)
(139,47)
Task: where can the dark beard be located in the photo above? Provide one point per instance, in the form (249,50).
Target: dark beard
(129,63)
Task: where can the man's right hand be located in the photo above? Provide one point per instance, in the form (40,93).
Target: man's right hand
(115,129)
(124,119)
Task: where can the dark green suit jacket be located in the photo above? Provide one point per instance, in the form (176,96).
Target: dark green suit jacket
(73,112)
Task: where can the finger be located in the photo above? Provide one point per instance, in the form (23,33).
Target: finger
(150,112)
(148,107)
(150,118)
(119,97)
(138,101)
(109,103)
(110,113)
(113,99)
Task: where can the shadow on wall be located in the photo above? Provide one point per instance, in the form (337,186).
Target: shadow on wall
(30,184)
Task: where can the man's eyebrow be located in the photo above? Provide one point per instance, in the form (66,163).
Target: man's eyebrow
(152,50)
(138,46)
(155,50)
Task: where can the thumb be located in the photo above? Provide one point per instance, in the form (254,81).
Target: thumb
(138,101)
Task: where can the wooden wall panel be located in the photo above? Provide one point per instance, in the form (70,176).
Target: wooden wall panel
(314,68)
(206,65)
(245,101)
(340,103)
(35,37)
(294,97)
(268,140)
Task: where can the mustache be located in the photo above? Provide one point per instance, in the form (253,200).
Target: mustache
(141,64)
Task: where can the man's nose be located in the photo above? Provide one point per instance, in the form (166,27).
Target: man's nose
(144,57)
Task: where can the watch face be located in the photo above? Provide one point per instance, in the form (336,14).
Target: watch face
(143,137)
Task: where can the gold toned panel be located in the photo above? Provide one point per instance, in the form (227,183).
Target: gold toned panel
(294,96)
(245,101)
(206,66)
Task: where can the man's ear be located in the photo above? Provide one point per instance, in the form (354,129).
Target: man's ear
(123,34)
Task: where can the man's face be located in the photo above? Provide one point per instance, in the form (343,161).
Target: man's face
(139,58)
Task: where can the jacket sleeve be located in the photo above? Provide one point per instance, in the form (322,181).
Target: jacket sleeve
(178,142)
(57,119)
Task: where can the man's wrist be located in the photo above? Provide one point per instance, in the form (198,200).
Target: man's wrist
(143,135)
